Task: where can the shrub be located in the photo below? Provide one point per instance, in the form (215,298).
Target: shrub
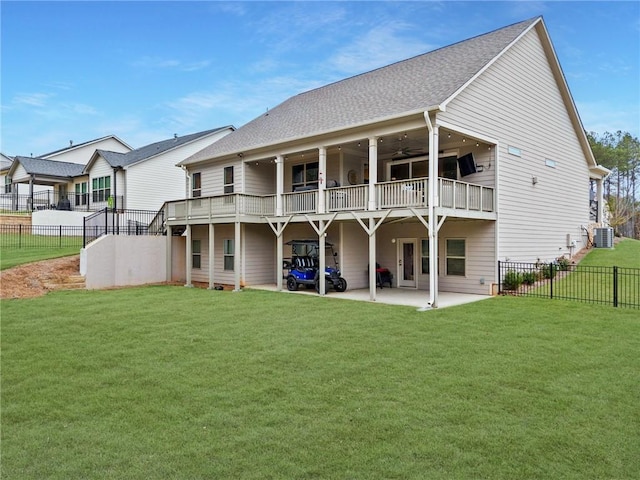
(512,280)
(529,278)
(564,263)
(548,270)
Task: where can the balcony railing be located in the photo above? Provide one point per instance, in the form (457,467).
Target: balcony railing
(51,200)
(397,194)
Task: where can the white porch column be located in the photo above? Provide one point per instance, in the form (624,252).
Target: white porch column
(373,172)
(322,178)
(372,259)
(600,199)
(279,260)
(433,218)
(168,256)
(189,259)
(279,184)
(236,258)
(321,257)
(211,256)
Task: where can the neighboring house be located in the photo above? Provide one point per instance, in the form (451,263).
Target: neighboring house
(5,165)
(111,174)
(436,167)
(42,182)
(143,179)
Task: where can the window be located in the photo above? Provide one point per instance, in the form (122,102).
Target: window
(196,185)
(228,179)
(456,258)
(514,151)
(7,184)
(424,255)
(228,254)
(196,254)
(305,175)
(81,193)
(101,189)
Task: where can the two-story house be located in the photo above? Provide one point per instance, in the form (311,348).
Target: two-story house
(435,167)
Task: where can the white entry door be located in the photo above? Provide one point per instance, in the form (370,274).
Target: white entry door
(407,262)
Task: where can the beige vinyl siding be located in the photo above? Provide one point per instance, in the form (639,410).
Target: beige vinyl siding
(201,232)
(353,254)
(479,238)
(259,254)
(259,179)
(213,177)
(480,263)
(83,153)
(517,101)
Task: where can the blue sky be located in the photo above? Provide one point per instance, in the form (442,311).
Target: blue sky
(146,70)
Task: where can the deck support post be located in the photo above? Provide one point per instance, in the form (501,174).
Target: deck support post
(211,256)
(168,257)
(189,259)
(321,258)
(279,184)
(236,257)
(372,259)
(433,203)
(322,180)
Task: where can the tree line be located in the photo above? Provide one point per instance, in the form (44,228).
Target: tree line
(620,153)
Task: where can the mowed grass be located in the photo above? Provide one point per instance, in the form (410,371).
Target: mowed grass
(11,257)
(170,382)
(593,278)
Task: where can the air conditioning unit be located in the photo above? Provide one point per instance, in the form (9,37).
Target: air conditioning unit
(603,237)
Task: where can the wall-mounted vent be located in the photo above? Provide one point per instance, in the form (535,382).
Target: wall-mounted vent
(603,237)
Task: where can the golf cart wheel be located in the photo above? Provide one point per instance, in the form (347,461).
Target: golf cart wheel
(341,286)
(292,284)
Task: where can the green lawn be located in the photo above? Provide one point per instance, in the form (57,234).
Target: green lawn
(178,383)
(10,257)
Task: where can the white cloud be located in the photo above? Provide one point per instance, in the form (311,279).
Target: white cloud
(379,46)
(167,63)
(32,99)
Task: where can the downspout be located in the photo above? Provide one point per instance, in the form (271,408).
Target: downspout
(432,185)
(187,177)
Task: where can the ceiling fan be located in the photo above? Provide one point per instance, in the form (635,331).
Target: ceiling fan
(403,152)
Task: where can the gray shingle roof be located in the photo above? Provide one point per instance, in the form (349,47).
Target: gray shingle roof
(50,168)
(408,86)
(123,159)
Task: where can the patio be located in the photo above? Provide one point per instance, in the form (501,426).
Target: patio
(391,296)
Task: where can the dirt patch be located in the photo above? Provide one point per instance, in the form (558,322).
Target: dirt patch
(31,280)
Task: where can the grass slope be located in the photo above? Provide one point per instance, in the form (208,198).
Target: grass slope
(169,382)
(12,257)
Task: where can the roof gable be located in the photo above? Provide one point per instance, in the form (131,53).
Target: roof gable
(149,151)
(45,167)
(83,144)
(416,84)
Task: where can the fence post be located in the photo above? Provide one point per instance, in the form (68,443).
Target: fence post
(20,236)
(615,286)
(84,232)
(60,236)
(552,274)
(499,278)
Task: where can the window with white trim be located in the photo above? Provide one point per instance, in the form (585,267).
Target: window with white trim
(7,184)
(424,256)
(304,175)
(196,185)
(456,256)
(101,189)
(228,179)
(196,254)
(228,251)
(81,193)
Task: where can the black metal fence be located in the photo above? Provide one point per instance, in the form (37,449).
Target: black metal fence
(118,222)
(616,286)
(40,236)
